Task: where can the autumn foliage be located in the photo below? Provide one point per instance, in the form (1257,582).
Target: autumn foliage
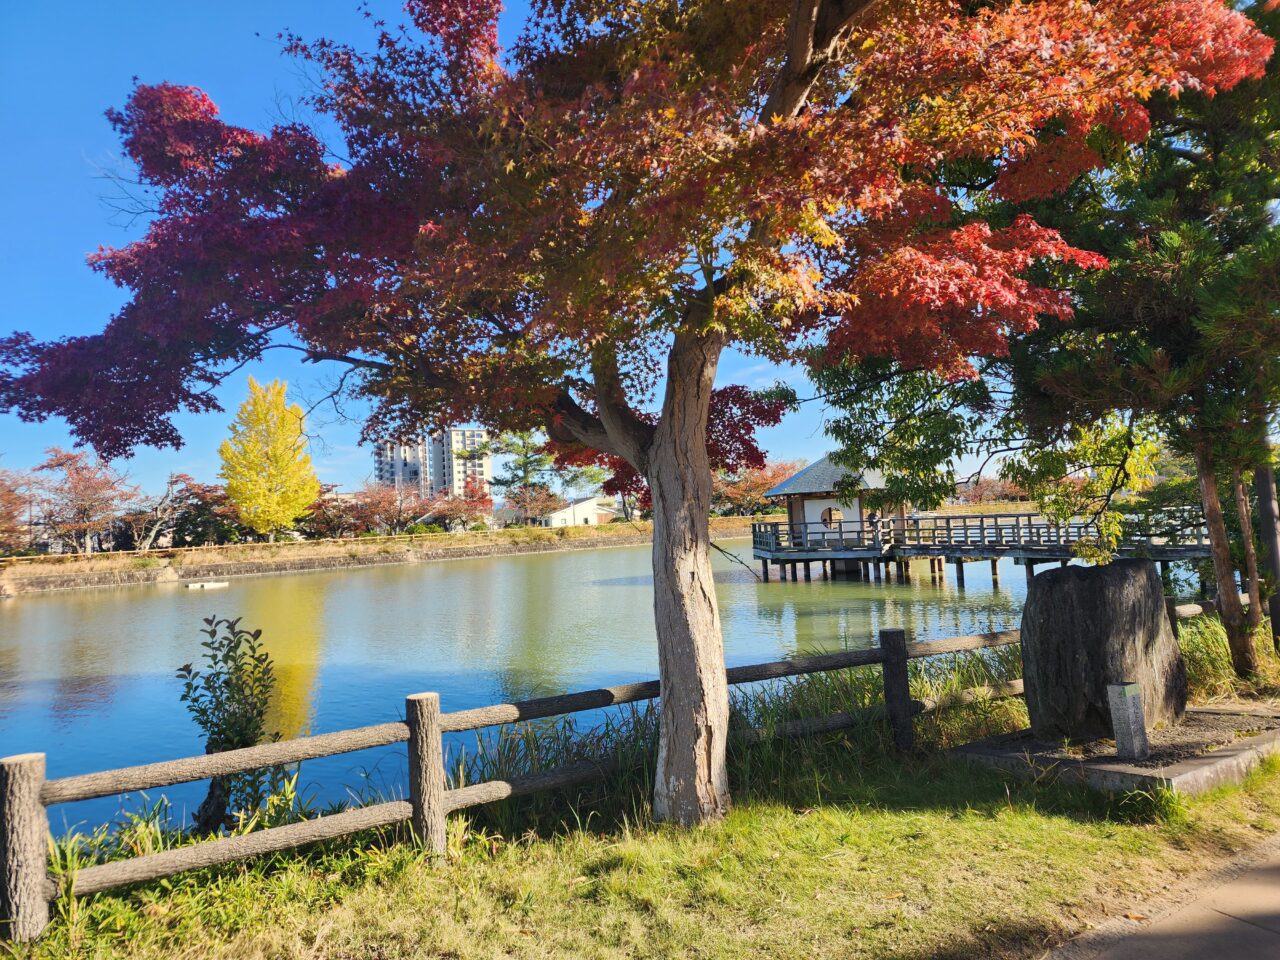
(743,492)
(500,219)
(14,535)
(78,497)
(567,235)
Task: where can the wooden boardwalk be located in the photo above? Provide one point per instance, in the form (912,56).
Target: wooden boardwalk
(863,548)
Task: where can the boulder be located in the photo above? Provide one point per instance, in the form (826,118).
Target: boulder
(1085,627)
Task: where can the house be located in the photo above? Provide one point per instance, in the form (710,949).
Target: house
(811,497)
(585,511)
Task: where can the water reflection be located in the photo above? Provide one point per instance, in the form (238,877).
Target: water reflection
(88,677)
(297,650)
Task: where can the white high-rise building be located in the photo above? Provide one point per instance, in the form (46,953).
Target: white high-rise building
(440,462)
(454,461)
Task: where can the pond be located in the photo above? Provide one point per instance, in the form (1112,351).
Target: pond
(88,677)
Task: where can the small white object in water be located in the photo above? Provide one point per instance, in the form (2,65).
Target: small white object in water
(207,585)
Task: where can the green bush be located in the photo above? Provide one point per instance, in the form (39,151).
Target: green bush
(228,701)
(416,529)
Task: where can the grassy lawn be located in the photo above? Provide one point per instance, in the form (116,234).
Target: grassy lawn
(835,848)
(875,860)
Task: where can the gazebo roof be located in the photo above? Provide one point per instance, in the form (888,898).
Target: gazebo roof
(822,476)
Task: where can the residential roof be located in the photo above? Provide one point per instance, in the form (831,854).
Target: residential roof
(822,477)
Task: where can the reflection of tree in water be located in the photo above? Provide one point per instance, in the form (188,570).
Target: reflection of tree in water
(824,617)
(534,665)
(77,693)
(10,680)
(288,611)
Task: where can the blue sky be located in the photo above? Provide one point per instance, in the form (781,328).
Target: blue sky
(59,70)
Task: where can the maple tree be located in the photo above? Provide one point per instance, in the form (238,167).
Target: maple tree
(533,501)
(265,464)
(453,510)
(558,235)
(1177,339)
(742,492)
(153,517)
(983,489)
(206,517)
(388,508)
(14,505)
(332,515)
(78,497)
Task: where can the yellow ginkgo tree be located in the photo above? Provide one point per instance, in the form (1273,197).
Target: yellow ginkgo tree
(265,463)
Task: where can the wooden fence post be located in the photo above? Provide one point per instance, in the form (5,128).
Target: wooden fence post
(426,769)
(24,848)
(897,687)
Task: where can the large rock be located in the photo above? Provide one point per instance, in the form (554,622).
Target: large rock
(1085,627)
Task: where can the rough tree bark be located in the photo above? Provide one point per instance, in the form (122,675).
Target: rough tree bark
(692,781)
(24,838)
(1245,511)
(1243,657)
(1264,485)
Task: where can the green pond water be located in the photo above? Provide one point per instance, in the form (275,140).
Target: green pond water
(88,676)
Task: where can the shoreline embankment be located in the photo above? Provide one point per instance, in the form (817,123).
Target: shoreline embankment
(56,574)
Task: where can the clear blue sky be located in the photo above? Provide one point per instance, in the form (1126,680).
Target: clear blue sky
(60,68)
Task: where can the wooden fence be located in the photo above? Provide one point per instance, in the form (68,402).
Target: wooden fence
(26,888)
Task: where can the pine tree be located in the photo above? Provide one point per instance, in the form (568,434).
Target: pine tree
(265,463)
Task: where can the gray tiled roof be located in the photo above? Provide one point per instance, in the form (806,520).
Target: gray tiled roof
(822,477)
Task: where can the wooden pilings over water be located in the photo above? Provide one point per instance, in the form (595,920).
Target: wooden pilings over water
(885,569)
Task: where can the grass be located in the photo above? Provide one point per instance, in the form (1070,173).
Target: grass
(835,847)
(1208,659)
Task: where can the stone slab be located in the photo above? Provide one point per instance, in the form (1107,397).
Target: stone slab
(1219,767)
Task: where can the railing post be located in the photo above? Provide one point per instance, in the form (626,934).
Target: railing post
(24,848)
(426,769)
(897,687)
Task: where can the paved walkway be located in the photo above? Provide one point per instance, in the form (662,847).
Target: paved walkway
(1238,918)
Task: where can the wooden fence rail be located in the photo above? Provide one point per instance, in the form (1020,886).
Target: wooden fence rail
(26,889)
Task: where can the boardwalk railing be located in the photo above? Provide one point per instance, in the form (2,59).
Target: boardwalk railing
(997,531)
(27,889)
(838,535)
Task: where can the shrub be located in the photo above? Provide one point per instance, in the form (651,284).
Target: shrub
(421,528)
(228,701)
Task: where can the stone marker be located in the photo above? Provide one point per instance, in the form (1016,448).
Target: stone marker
(1085,627)
(1128,722)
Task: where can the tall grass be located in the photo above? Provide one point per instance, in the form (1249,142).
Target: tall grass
(1207,655)
(791,769)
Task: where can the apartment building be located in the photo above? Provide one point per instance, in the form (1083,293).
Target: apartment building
(454,461)
(438,462)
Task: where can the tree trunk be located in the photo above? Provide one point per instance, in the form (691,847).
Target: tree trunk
(1264,485)
(1243,656)
(1245,511)
(211,816)
(692,780)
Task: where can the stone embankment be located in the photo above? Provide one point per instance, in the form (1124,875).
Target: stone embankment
(177,566)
